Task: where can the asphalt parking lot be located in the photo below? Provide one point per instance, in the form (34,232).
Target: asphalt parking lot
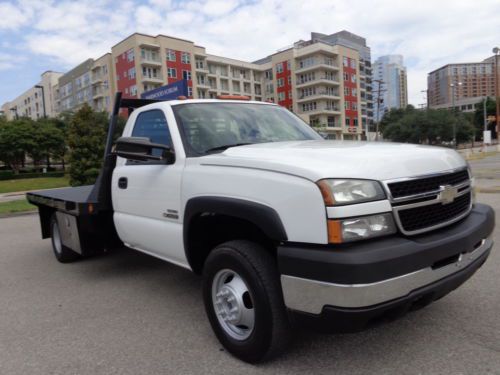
(128,313)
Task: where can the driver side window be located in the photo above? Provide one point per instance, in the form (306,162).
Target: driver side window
(153,125)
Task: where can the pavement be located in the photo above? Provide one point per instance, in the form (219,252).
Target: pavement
(128,313)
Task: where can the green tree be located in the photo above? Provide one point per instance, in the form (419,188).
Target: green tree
(86,140)
(16,140)
(425,126)
(49,140)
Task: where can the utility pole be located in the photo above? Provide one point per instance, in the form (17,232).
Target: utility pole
(496,51)
(452,85)
(379,91)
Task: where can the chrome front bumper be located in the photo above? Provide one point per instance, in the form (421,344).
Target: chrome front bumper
(311,296)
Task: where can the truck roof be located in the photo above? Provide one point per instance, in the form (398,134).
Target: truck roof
(188,101)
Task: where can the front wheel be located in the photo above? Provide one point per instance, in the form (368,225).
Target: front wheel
(244,302)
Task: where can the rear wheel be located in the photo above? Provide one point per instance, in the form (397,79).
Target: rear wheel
(63,254)
(244,302)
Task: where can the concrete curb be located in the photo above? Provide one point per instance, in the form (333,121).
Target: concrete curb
(14,214)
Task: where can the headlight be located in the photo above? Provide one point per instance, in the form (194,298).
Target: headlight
(360,228)
(341,192)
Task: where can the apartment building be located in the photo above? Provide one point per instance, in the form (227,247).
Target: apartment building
(36,102)
(325,80)
(462,85)
(390,73)
(319,81)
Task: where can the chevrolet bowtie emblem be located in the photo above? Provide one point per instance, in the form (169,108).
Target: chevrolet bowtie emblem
(447,194)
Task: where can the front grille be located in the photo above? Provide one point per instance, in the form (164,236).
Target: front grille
(415,219)
(426,184)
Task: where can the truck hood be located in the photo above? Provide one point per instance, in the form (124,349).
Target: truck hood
(315,160)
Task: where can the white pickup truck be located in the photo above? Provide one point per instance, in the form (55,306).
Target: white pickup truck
(285,227)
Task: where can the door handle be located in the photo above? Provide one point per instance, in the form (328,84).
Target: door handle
(123,182)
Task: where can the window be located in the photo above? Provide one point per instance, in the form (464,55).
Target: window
(353,78)
(354,92)
(172,73)
(186,74)
(281,96)
(170,55)
(185,58)
(353,64)
(355,122)
(199,64)
(346,91)
(190,91)
(279,68)
(281,82)
(131,73)
(269,74)
(133,90)
(289,80)
(236,123)
(354,106)
(130,55)
(347,105)
(346,61)
(347,121)
(153,125)
(346,76)
(288,64)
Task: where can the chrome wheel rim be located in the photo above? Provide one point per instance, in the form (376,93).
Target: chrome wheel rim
(56,238)
(233,304)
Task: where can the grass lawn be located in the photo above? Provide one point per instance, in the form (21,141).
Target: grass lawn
(9,186)
(16,206)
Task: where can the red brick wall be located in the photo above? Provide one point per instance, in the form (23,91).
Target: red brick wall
(287,87)
(123,83)
(180,66)
(350,113)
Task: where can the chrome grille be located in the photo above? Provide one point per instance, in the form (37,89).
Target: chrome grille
(429,202)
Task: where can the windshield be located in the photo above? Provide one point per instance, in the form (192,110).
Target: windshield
(211,127)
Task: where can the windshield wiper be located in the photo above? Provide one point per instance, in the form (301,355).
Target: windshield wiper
(223,147)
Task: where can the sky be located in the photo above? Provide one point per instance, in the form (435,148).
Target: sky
(36,36)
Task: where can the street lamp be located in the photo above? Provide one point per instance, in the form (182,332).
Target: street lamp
(453,86)
(43,99)
(496,52)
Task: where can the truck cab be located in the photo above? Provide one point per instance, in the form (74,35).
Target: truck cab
(285,227)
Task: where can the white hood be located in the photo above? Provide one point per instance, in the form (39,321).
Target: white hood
(340,159)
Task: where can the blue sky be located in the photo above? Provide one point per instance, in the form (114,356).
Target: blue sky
(36,36)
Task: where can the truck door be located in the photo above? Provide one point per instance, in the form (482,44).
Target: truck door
(146,195)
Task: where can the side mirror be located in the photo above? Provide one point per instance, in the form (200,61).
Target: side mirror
(141,149)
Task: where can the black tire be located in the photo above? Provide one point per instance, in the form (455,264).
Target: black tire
(271,331)
(62,253)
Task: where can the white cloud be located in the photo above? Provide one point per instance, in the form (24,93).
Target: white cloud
(427,33)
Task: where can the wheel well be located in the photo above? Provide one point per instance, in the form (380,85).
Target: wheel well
(208,230)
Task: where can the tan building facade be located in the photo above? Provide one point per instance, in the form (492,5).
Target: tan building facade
(36,102)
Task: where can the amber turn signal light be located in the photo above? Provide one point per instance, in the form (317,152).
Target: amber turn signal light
(334,231)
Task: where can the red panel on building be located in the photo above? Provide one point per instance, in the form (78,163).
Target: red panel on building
(124,81)
(350,83)
(180,67)
(286,89)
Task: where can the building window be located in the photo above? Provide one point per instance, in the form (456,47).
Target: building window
(353,64)
(190,91)
(131,73)
(346,77)
(269,74)
(346,91)
(186,74)
(353,78)
(354,106)
(130,55)
(347,105)
(281,96)
(199,64)
(347,121)
(185,58)
(355,122)
(289,80)
(288,64)
(170,55)
(354,92)
(133,90)
(279,68)
(172,73)
(281,82)
(346,61)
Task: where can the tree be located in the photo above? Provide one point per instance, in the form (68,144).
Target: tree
(425,126)
(86,140)
(49,139)
(16,139)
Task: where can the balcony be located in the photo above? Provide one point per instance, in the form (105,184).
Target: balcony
(323,109)
(324,79)
(322,64)
(97,93)
(319,95)
(152,79)
(148,60)
(97,78)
